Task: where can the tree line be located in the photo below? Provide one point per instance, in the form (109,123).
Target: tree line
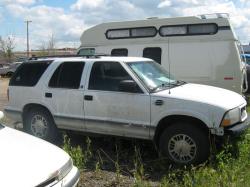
(8,45)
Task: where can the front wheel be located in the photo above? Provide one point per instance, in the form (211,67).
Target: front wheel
(39,123)
(185,144)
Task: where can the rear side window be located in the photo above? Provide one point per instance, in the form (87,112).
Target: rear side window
(28,74)
(67,75)
(119,52)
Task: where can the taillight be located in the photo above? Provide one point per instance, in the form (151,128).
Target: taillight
(228,78)
(8,94)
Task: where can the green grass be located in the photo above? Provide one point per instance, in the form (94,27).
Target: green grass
(248,109)
(230,166)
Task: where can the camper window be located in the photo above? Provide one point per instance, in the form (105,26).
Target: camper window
(137,32)
(121,33)
(185,30)
(202,29)
(143,32)
(153,53)
(119,52)
(173,30)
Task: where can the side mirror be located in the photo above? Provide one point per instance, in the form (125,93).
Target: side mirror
(128,86)
(1,115)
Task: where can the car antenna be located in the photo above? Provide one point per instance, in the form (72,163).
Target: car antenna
(169,92)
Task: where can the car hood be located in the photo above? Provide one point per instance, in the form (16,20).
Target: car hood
(26,160)
(220,97)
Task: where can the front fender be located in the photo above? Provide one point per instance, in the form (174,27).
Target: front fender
(205,113)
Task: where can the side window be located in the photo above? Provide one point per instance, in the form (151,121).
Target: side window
(28,74)
(153,53)
(67,75)
(107,76)
(119,52)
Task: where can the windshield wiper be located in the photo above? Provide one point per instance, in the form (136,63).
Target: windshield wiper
(168,84)
(160,86)
(181,82)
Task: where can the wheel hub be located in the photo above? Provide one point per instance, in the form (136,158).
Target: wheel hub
(39,126)
(182,148)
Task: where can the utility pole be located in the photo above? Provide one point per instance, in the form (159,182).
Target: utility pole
(28,45)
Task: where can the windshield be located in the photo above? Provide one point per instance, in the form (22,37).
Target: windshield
(152,75)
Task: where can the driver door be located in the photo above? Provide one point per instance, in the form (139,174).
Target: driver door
(108,110)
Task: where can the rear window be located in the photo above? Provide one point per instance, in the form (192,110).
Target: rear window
(28,74)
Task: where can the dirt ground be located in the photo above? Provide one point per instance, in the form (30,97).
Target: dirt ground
(3,92)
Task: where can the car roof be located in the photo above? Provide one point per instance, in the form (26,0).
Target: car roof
(90,59)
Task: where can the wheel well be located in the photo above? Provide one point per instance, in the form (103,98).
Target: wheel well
(31,106)
(169,120)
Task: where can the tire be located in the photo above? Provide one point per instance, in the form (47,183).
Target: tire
(9,74)
(39,122)
(185,144)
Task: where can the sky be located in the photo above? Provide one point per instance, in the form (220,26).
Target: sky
(67,19)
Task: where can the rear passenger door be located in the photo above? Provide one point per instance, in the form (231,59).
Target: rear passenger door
(65,94)
(111,110)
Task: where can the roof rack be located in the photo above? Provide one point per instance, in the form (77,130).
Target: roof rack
(65,56)
(214,15)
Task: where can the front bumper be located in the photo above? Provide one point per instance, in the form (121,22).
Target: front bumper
(15,115)
(237,129)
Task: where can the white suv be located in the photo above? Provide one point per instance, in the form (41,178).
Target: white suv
(123,96)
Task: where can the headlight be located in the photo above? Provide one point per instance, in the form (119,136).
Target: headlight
(231,117)
(65,169)
(58,174)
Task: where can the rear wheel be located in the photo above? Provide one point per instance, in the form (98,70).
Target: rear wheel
(185,144)
(38,122)
(9,74)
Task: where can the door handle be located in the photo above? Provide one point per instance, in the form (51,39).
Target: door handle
(88,97)
(49,95)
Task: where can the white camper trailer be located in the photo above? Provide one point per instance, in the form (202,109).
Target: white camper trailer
(198,49)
